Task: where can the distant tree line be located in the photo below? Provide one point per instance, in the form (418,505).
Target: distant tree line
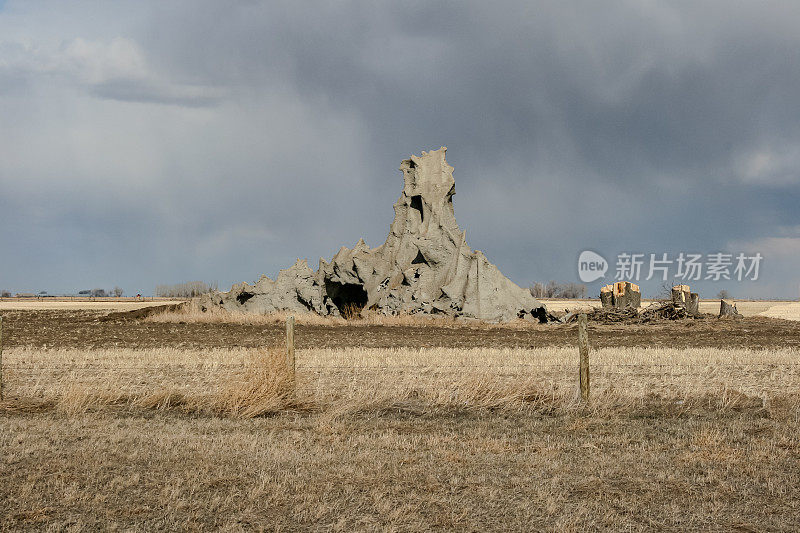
(190,289)
(554,289)
(101,293)
(116,291)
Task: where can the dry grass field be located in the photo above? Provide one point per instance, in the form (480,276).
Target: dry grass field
(354,380)
(785,311)
(180,423)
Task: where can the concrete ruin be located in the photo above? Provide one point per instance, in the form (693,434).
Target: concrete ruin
(425,266)
(727,308)
(682,296)
(620,295)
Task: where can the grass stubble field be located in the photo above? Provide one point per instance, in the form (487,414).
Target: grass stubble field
(186,421)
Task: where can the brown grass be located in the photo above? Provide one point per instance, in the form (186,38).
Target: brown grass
(267,387)
(731,470)
(253,382)
(399,440)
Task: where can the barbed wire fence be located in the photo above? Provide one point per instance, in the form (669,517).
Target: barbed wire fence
(580,368)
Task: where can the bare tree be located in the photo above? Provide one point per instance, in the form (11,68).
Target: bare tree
(665,291)
(538,290)
(5,294)
(723,294)
(190,289)
(554,289)
(117,292)
(98,292)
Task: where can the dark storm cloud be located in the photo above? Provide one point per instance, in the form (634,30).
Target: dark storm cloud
(611,87)
(633,126)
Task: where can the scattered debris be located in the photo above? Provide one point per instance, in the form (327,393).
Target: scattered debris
(620,295)
(657,311)
(665,311)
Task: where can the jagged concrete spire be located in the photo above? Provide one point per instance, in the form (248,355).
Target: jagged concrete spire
(425,265)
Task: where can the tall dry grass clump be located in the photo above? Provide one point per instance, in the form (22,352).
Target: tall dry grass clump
(266,386)
(78,397)
(241,384)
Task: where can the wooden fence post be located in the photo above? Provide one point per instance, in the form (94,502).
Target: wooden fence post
(290,365)
(1,359)
(583,346)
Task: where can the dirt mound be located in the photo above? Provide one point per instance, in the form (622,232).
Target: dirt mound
(143,312)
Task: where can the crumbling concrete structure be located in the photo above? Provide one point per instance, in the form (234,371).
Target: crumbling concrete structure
(620,295)
(727,308)
(682,296)
(425,266)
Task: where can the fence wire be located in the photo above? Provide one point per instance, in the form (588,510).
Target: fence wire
(212,366)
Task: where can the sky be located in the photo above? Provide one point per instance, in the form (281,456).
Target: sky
(146,143)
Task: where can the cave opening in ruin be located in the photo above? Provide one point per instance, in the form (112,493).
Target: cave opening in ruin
(244,296)
(416,203)
(350,298)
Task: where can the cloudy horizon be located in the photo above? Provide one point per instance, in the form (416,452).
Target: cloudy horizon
(148,143)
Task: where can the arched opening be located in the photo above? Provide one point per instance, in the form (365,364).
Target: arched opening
(350,298)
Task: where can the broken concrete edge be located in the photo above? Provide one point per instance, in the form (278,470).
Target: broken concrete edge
(620,295)
(683,296)
(424,267)
(143,312)
(728,309)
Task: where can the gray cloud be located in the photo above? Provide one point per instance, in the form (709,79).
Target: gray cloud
(137,91)
(279,128)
